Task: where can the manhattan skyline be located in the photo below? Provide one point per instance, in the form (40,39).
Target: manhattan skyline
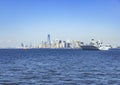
(29,21)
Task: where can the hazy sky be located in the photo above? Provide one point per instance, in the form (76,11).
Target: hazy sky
(29,21)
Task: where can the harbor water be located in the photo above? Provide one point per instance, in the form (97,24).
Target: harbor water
(59,67)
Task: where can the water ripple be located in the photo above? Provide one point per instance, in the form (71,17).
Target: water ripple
(59,67)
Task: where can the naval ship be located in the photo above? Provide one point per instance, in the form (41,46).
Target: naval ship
(95,46)
(89,47)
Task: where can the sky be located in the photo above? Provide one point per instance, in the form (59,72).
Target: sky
(29,21)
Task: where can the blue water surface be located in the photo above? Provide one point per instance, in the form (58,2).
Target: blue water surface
(59,67)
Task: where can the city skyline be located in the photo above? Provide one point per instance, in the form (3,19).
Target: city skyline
(30,21)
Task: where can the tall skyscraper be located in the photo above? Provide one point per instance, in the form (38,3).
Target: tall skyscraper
(49,40)
(22,45)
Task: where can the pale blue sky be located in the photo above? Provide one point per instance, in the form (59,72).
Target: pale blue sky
(30,21)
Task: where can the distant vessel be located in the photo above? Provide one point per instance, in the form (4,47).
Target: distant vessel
(89,47)
(105,47)
(118,47)
(95,46)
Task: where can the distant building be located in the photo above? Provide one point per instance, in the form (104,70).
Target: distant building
(48,41)
(22,45)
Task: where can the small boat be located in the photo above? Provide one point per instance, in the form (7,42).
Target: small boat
(104,48)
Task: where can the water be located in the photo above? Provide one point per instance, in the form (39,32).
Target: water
(59,67)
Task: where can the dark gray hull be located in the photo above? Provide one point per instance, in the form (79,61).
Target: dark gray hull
(88,47)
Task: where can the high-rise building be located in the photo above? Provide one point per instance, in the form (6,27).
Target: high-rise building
(22,45)
(49,40)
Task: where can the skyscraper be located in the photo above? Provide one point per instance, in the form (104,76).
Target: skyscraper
(49,40)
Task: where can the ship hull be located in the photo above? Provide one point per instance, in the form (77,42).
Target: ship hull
(88,47)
